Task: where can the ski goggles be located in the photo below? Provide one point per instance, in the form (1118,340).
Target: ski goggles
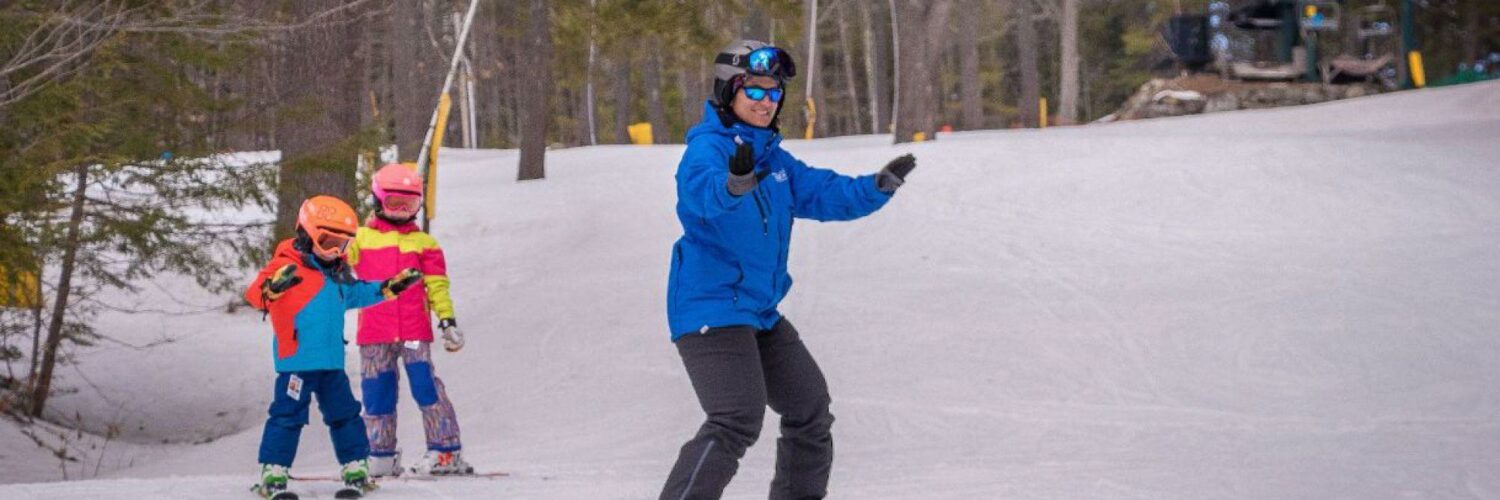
(401,202)
(764,61)
(333,244)
(759,93)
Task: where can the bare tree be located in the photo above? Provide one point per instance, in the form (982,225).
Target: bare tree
(877,52)
(416,73)
(1026,49)
(846,56)
(656,111)
(970,88)
(536,85)
(43,383)
(320,72)
(620,65)
(917,49)
(1067,103)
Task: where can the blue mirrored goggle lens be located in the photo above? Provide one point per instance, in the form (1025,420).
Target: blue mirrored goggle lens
(758,93)
(763,61)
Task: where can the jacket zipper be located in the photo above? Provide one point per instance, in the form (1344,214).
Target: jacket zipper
(765,224)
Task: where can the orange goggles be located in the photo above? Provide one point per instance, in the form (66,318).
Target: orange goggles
(331,243)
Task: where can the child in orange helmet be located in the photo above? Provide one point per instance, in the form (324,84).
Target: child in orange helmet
(305,290)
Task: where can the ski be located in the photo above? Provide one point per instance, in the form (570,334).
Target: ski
(280,495)
(348,492)
(409,477)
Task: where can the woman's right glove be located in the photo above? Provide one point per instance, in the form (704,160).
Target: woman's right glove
(400,282)
(894,173)
(742,177)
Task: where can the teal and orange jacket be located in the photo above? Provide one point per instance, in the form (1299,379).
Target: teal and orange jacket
(309,318)
(379,251)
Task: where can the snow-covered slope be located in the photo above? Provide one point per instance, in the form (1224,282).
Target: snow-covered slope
(1291,303)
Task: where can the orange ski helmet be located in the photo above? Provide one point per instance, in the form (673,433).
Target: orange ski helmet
(329,223)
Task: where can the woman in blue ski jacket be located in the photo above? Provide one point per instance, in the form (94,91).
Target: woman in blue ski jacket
(737,195)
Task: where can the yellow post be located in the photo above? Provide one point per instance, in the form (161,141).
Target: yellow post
(812,118)
(1418,76)
(640,134)
(1042,105)
(430,198)
(919,137)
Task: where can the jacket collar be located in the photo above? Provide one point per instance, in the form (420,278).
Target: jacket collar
(763,140)
(379,223)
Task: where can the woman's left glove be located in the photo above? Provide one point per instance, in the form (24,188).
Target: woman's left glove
(894,173)
(453,338)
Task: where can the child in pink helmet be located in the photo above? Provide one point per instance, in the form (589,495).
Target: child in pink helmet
(400,331)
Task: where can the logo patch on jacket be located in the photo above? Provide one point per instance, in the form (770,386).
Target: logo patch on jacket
(779,175)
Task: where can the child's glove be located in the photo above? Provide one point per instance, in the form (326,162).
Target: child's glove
(279,282)
(453,338)
(400,282)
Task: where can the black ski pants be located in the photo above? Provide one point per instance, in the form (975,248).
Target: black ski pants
(736,372)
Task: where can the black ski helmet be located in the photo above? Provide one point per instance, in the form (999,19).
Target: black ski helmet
(748,57)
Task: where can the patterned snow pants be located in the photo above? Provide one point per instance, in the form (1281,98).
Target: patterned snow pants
(380,381)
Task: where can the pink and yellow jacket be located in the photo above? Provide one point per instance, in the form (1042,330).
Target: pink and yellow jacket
(379,251)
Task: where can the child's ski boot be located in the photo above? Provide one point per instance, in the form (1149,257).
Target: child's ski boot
(272,485)
(357,482)
(443,463)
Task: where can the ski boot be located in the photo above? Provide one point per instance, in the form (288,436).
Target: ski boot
(357,481)
(273,479)
(443,463)
(383,466)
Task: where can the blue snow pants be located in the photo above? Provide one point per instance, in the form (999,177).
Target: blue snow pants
(288,413)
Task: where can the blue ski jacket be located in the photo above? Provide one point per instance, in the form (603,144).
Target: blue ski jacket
(729,266)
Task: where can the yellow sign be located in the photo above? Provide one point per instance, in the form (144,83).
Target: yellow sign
(640,133)
(19,290)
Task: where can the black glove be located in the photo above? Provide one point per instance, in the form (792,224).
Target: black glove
(894,173)
(742,177)
(400,282)
(283,279)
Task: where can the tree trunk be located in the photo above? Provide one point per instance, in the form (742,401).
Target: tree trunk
(320,112)
(1067,102)
(937,51)
(1471,30)
(656,111)
(538,83)
(1026,48)
(877,52)
(756,25)
(690,81)
(415,75)
(42,385)
(811,49)
(916,71)
(850,79)
(590,102)
(37,312)
(970,88)
(624,113)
